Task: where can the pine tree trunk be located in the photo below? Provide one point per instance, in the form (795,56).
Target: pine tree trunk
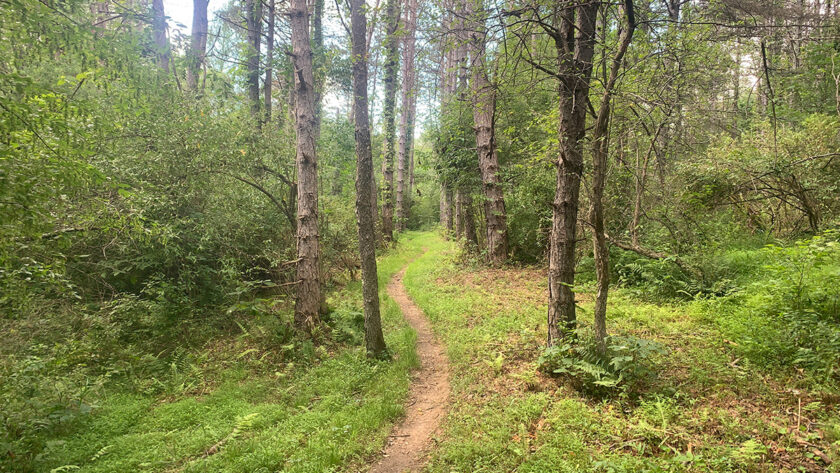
(575,70)
(269,60)
(253,21)
(407,114)
(198,43)
(319,56)
(446,209)
(484,110)
(308,296)
(374,340)
(470,234)
(389,115)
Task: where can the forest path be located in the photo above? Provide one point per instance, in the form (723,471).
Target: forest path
(429,397)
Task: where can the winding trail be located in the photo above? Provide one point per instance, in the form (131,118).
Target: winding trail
(408,444)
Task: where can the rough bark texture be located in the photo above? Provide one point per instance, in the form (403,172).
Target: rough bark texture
(408,101)
(308,296)
(374,340)
(600,152)
(198,43)
(269,61)
(484,110)
(159,29)
(466,221)
(446,209)
(253,21)
(319,56)
(575,42)
(389,115)
(452,69)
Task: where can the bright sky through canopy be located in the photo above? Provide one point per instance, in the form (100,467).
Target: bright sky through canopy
(180,13)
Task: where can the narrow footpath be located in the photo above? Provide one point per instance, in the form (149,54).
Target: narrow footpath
(409,443)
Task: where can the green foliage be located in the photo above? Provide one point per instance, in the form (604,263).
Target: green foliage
(624,367)
(791,316)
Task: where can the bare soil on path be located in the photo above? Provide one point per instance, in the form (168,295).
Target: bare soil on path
(409,443)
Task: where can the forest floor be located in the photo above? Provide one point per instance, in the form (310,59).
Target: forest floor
(707,410)
(248,400)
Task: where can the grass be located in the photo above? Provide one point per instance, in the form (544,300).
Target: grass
(255,401)
(238,408)
(708,410)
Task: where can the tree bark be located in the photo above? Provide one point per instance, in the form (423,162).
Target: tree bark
(319,60)
(253,21)
(159,29)
(388,118)
(374,340)
(408,101)
(466,221)
(600,151)
(308,296)
(269,61)
(446,209)
(575,42)
(198,43)
(484,111)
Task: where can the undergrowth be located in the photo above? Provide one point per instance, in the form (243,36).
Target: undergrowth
(130,385)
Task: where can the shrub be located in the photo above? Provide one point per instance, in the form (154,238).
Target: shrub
(621,370)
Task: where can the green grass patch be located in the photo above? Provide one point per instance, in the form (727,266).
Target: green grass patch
(707,409)
(244,407)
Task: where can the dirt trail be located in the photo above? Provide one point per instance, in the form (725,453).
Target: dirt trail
(429,397)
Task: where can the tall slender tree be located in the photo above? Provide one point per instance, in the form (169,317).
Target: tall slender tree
(374,340)
(484,114)
(198,43)
(269,59)
(453,75)
(600,151)
(319,61)
(408,108)
(308,294)
(392,59)
(253,23)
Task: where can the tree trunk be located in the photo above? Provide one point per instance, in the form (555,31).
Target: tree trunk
(446,209)
(253,21)
(319,60)
(198,43)
(467,219)
(407,114)
(600,151)
(459,214)
(484,110)
(410,176)
(159,29)
(308,297)
(374,340)
(577,26)
(269,61)
(391,64)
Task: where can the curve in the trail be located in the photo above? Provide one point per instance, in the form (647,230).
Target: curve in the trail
(429,397)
